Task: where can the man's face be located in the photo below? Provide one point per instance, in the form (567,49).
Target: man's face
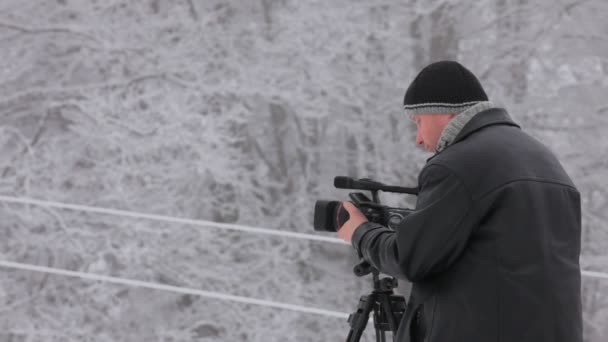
(430,127)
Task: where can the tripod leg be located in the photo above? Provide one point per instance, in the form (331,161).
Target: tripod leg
(360,318)
(385,303)
(380,337)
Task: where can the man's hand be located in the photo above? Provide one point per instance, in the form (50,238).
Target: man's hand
(355,220)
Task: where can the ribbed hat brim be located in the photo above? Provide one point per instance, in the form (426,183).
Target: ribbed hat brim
(438,108)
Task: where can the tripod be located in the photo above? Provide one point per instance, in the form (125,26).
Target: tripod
(387,307)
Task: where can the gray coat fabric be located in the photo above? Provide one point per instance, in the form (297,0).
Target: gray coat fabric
(492,247)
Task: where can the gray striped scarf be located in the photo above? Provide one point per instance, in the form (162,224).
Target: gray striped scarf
(455,125)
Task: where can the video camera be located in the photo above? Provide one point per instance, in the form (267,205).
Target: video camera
(330,215)
(387,308)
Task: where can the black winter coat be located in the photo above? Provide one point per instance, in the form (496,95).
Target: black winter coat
(492,247)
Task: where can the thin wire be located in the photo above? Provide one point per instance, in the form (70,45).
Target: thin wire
(24,200)
(595,274)
(202,223)
(175,289)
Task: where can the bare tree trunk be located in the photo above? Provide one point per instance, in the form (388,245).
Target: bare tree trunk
(511,29)
(435,36)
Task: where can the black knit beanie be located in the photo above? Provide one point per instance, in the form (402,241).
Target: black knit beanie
(441,88)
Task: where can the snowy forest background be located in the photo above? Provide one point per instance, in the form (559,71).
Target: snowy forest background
(243,111)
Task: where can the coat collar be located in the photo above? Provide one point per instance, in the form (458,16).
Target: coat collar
(489,117)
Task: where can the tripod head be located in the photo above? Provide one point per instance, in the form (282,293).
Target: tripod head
(387,308)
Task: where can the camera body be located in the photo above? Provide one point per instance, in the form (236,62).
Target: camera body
(329,216)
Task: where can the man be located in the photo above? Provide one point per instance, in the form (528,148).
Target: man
(492,247)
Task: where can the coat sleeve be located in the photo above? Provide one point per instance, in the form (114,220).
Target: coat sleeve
(429,239)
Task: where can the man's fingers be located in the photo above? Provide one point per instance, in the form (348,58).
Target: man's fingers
(348,206)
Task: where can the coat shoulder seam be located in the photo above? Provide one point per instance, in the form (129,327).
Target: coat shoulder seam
(526,179)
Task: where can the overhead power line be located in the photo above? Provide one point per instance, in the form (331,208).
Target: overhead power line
(170,219)
(203,223)
(595,274)
(170,288)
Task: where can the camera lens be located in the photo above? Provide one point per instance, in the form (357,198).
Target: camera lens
(325,216)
